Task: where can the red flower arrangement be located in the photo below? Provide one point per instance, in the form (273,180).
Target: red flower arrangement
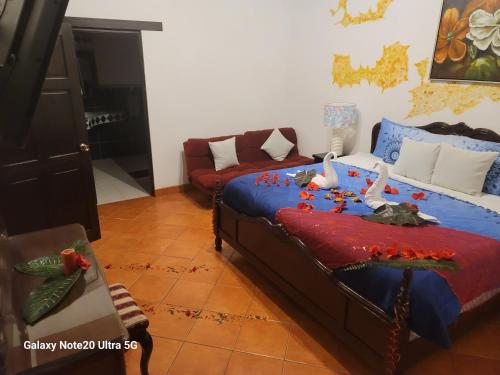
(305,206)
(304,195)
(339,208)
(352,173)
(312,186)
(390,190)
(420,196)
(263,177)
(276,179)
(392,252)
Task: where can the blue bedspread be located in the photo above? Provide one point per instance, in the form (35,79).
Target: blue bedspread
(433,305)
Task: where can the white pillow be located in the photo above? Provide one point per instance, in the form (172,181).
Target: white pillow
(417,160)
(277,146)
(224,153)
(462,170)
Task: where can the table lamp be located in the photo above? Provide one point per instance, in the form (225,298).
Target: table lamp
(339,117)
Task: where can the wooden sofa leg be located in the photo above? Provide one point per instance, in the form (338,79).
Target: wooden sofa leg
(217,199)
(146,342)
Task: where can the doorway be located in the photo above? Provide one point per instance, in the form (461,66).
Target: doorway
(111,70)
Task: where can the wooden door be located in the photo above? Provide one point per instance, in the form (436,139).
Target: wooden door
(49,182)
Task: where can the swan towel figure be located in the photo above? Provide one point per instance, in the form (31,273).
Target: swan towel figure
(330,180)
(373,196)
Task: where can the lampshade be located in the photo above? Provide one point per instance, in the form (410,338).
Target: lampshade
(340,115)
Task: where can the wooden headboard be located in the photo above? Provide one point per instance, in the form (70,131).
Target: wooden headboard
(443,128)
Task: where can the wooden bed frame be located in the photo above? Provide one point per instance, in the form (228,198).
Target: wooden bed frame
(381,341)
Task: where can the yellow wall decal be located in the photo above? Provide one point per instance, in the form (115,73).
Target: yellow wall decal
(389,71)
(422,67)
(430,97)
(370,15)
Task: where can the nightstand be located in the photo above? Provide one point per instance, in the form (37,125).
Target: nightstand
(318,158)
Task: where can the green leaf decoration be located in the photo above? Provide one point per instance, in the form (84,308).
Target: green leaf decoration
(79,247)
(402,214)
(423,264)
(302,178)
(47,296)
(48,266)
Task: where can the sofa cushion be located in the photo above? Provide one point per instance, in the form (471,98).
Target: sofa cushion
(255,139)
(277,146)
(198,155)
(224,153)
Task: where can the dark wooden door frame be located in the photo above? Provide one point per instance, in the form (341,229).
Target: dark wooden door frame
(77,26)
(94,232)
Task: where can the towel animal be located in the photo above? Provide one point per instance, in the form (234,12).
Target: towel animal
(373,196)
(330,180)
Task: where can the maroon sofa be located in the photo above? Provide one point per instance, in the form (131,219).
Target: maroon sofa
(200,163)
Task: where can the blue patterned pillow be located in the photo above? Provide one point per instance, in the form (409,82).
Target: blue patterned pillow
(391,138)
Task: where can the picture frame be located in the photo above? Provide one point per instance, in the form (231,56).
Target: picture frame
(465,49)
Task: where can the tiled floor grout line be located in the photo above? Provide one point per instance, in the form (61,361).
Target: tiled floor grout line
(175,357)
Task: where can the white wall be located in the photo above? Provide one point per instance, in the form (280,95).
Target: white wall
(219,67)
(225,66)
(317,37)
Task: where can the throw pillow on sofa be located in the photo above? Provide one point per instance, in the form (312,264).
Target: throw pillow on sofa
(277,146)
(224,153)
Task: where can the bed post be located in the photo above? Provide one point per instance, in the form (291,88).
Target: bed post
(217,200)
(401,310)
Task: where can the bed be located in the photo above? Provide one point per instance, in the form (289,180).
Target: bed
(340,301)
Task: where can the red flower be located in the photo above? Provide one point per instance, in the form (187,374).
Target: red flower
(352,173)
(83,263)
(276,179)
(363,191)
(447,254)
(421,254)
(418,196)
(375,251)
(306,196)
(369,182)
(286,182)
(312,186)
(394,191)
(305,206)
(411,205)
(339,208)
(444,254)
(409,253)
(387,189)
(392,252)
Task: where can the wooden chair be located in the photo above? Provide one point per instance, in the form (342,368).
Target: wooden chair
(134,320)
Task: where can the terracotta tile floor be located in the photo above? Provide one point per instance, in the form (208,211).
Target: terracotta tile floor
(213,313)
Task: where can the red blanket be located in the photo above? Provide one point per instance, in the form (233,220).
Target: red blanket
(338,240)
